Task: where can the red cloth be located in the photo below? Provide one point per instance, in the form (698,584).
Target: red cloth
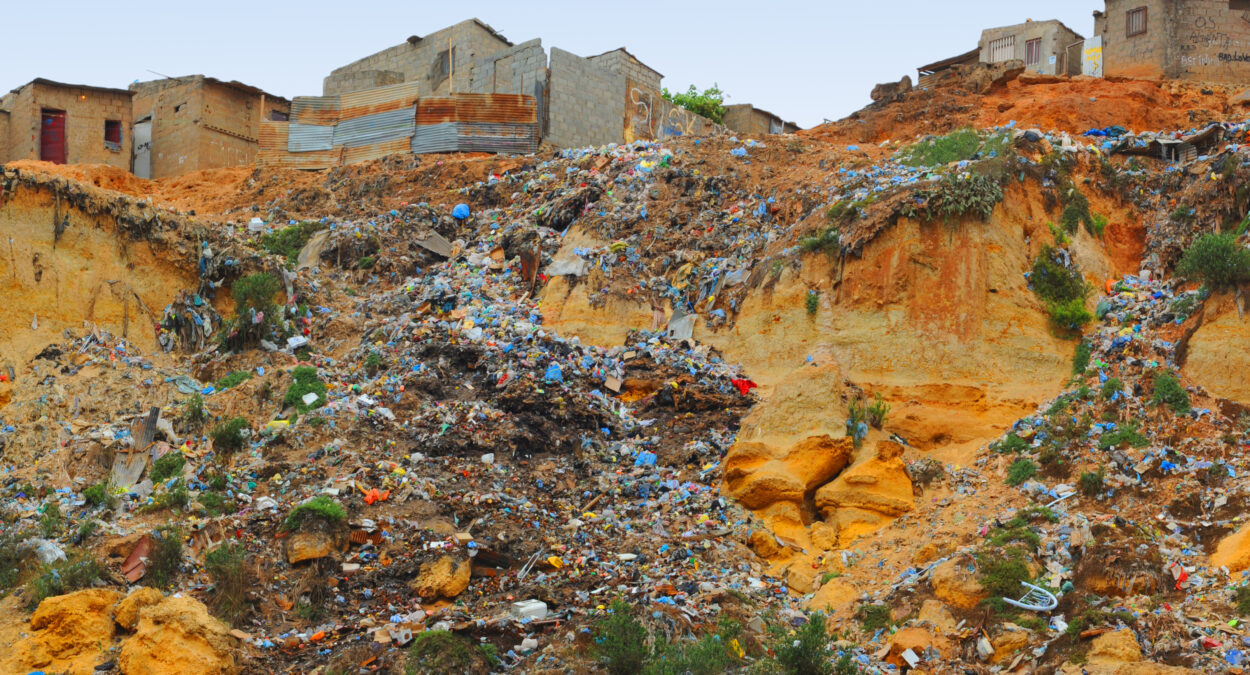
(744,386)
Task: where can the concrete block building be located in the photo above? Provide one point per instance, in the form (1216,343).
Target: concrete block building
(193,123)
(66,124)
(1045,47)
(1200,40)
(745,118)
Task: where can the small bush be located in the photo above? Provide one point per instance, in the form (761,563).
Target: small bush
(961,144)
(165,558)
(709,655)
(78,571)
(373,361)
(1092,618)
(303,381)
(226,566)
(873,618)
(1001,573)
(234,379)
(193,413)
(1076,211)
(827,241)
(439,651)
(620,640)
(321,506)
(709,103)
(253,294)
(100,495)
(1099,225)
(856,420)
(1111,387)
(1168,391)
(1012,444)
(1055,282)
(954,197)
(213,503)
(366,262)
(1242,598)
(14,557)
(1020,471)
(1124,434)
(813,302)
(85,529)
(228,437)
(289,241)
(51,522)
(167,466)
(1216,260)
(1070,315)
(176,497)
(807,651)
(1080,358)
(1093,482)
(877,411)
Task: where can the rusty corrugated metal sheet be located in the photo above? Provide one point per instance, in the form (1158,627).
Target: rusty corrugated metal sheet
(438,110)
(274,137)
(376,128)
(496,108)
(375,151)
(320,110)
(309,137)
(377,100)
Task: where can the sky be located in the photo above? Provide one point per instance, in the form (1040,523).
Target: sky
(804,61)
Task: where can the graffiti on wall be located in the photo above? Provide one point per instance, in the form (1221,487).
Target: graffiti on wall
(1091,57)
(1207,43)
(649,117)
(639,107)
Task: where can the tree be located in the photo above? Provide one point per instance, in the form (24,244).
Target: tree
(710,103)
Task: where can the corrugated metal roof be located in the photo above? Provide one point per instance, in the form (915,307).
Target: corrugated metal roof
(436,138)
(377,100)
(378,128)
(320,110)
(309,137)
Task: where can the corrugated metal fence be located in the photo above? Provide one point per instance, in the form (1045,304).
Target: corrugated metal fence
(327,131)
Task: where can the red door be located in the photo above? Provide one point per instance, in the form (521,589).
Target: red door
(52,136)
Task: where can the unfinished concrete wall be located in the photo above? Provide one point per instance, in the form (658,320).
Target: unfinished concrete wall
(586,103)
(441,61)
(623,63)
(1144,56)
(516,70)
(4,136)
(1056,39)
(359,80)
(86,110)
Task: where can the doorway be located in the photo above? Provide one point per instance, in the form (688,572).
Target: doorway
(52,146)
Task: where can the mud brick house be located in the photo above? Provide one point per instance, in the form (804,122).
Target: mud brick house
(66,124)
(1202,40)
(193,123)
(1045,47)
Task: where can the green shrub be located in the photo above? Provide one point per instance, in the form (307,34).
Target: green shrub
(321,507)
(1184,306)
(234,379)
(289,241)
(812,302)
(14,557)
(228,436)
(1012,444)
(1168,391)
(366,262)
(226,566)
(51,522)
(255,291)
(439,651)
(78,571)
(100,494)
(620,640)
(873,618)
(806,652)
(709,103)
(165,558)
(709,655)
(1020,471)
(373,361)
(1001,573)
(1055,282)
(1093,482)
(1111,387)
(1216,260)
(86,528)
(1069,315)
(961,144)
(303,381)
(1099,225)
(1080,358)
(1092,618)
(878,410)
(193,413)
(827,241)
(167,466)
(1076,211)
(213,503)
(953,198)
(176,497)
(1124,433)
(1242,599)
(1183,214)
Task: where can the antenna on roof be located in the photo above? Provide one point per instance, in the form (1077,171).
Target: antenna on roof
(168,77)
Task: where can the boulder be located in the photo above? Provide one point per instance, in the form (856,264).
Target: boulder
(758,475)
(955,585)
(1007,643)
(443,578)
(935,613)
(303,546)
(891,91)
(68,633)
(126,613)
(869,494)
(1119,646)
(178,637)
(833,596)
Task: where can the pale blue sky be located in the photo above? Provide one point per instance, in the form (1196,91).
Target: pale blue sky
(805,61)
